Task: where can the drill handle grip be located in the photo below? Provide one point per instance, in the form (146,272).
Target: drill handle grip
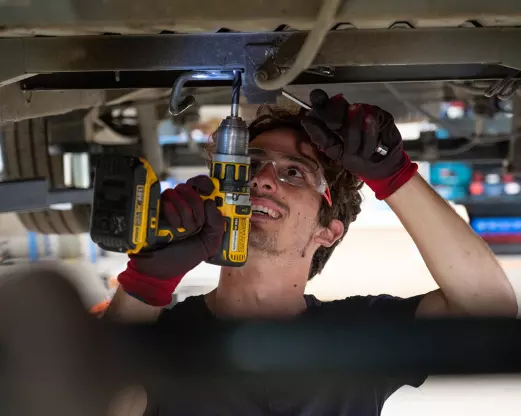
(162,233)
(233,249)
(166,234)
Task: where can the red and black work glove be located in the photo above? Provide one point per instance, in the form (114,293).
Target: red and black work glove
(350,135)
(153,276)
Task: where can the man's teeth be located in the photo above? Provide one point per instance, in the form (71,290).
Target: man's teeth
(265,210)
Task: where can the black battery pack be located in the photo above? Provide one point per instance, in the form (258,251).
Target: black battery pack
(118,209)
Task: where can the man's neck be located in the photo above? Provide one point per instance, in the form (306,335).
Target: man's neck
(265,287)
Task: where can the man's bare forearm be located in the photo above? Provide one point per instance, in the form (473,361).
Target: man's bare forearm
(471,280)
(125,308)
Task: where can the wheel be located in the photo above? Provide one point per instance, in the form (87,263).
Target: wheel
(25,151)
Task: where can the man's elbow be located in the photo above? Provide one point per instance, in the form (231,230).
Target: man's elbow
(485,306)
(438,305)
(131,401)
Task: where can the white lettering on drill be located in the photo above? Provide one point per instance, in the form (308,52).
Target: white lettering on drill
(235,240)
(235,234)
(138,210)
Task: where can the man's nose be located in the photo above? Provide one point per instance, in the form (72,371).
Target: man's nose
(265,180)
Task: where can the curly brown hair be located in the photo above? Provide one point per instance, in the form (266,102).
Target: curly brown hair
(343,185)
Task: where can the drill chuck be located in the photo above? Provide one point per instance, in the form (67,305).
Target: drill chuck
(232,137)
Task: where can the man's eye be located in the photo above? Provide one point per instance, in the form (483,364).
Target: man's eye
(255,165)
(294,172)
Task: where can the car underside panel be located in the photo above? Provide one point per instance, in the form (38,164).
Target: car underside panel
(346,56)
(77,17)
(125,49)
(16,104)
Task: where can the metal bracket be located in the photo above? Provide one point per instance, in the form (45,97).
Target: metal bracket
(504,89)
(401,25)
(259,57)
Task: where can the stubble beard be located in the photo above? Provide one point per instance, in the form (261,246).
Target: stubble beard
(261,240)
(267,243)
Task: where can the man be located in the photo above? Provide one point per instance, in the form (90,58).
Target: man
(306,173)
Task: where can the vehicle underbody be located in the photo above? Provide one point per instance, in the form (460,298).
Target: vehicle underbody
(72,63)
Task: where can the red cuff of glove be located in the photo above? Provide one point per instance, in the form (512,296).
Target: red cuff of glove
(147,289)
(384,188)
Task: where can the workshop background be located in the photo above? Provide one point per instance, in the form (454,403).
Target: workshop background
(377,256)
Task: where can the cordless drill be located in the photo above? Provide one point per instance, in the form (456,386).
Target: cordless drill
(126,210)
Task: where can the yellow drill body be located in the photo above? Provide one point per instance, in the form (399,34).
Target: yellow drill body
(126,212)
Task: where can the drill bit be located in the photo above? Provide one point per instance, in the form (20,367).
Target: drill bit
(236,93)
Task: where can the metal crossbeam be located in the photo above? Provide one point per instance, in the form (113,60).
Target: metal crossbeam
(403,48)
(411,47)
(341,77)
(34,195)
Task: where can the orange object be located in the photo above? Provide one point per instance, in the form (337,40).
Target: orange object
(112,282)
(100,308)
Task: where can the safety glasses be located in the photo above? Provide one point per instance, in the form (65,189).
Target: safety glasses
(291,169)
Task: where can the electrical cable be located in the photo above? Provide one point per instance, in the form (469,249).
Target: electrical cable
(324,22)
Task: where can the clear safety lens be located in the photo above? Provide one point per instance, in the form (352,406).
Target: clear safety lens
(295,170)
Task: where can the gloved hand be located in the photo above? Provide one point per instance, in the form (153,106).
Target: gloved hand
(350,134)
(153,276)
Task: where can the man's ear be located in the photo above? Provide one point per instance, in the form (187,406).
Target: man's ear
(330,234)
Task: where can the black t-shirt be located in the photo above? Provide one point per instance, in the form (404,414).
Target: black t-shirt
(355,400)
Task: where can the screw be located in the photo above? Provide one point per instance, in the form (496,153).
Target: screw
(401,25)
(326,70)
(261,75)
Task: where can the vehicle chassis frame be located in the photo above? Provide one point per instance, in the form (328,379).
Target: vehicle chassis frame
(346,56)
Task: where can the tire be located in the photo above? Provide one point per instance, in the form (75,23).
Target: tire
(25,152)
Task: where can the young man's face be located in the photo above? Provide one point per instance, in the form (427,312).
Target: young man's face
(291,224)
